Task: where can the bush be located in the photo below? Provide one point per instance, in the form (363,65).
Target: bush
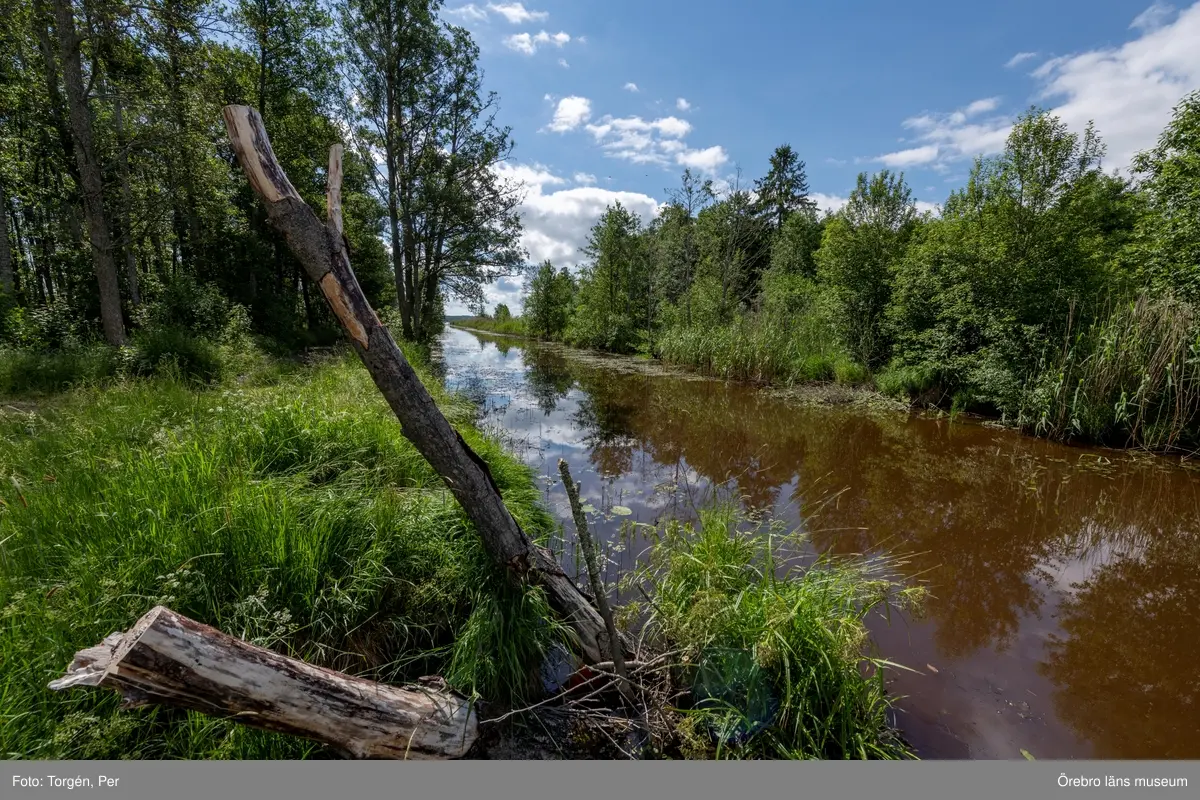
(176,352)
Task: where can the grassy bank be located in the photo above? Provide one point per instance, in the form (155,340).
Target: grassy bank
(281,505)
(291,514)
(510,326)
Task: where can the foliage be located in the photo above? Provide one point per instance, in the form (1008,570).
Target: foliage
(290,514)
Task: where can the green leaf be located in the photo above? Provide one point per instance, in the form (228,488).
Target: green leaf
(621,511)
(1028,755)
(588,508)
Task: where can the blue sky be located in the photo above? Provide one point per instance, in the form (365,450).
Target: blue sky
(610,100)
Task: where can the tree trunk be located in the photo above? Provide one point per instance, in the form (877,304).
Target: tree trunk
(131,273)
(7,284)
(89,173)
(321,250)
(168,659)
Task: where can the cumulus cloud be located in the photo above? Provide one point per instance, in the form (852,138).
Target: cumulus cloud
(657,141)
(562,62)
(706,160)
(682,104)
(1020,58)
(528,43)
(570,113)
(1128,90)
(584,178)
(516,13)
(631,87)
(557,221)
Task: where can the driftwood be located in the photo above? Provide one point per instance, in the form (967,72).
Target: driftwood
(168,659)
(321,250)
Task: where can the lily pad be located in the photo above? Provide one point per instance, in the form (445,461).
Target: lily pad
(588,508)
(621,511)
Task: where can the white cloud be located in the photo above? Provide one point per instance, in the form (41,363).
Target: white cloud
(658,141)
(706,160)
(584,178)
(631,87)
(562,62)
(911,157)
(1128,90)
(528,43)
(557,223)
(982,106)
(470,12)
(516,13)
(682,104)
(1020,58)
(570,113)
(1153,17)
(828,202)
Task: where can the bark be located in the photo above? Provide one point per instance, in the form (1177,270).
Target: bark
(89,173)
(321,250)
(7,283)
(168,659)
(589,553)
(131,273)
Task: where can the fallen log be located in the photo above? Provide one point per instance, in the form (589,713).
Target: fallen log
(321,250)
(168,659)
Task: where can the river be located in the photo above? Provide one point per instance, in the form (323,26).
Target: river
(1064,581)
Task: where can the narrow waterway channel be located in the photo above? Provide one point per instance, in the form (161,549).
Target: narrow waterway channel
(1064,581)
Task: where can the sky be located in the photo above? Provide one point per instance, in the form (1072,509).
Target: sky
(610,101)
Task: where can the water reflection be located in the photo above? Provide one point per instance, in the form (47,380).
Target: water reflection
(1064,580)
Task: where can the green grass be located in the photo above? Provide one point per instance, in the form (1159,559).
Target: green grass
(512,326)
(763,349)
(291,514)
(775,654)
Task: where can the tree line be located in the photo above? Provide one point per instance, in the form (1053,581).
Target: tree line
(1047,291)
(123,209)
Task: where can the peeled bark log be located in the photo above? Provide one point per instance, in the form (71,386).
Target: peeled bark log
(321,250)
(168,659)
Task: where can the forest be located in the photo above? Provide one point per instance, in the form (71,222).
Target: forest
(1047,292)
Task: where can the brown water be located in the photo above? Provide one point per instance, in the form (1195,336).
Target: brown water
(1065,581)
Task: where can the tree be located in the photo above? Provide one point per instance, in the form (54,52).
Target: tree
(92,184)
(784,190)
(861,246)
(607,307)
(452,219)
(548,301)
(502,312)
(1166,251)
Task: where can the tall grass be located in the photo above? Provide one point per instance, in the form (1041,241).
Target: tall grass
(511,326)
(773,652)
(761,348)
(293,515)
(1131,377)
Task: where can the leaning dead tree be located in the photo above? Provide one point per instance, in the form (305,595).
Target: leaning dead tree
(321,250)
(168,659)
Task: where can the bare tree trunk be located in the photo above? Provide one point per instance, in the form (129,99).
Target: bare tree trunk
(7,284)
(131,273)
(168,659)
(321,250)
(89,173)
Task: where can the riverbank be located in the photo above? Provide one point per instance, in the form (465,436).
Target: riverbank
(283,508)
